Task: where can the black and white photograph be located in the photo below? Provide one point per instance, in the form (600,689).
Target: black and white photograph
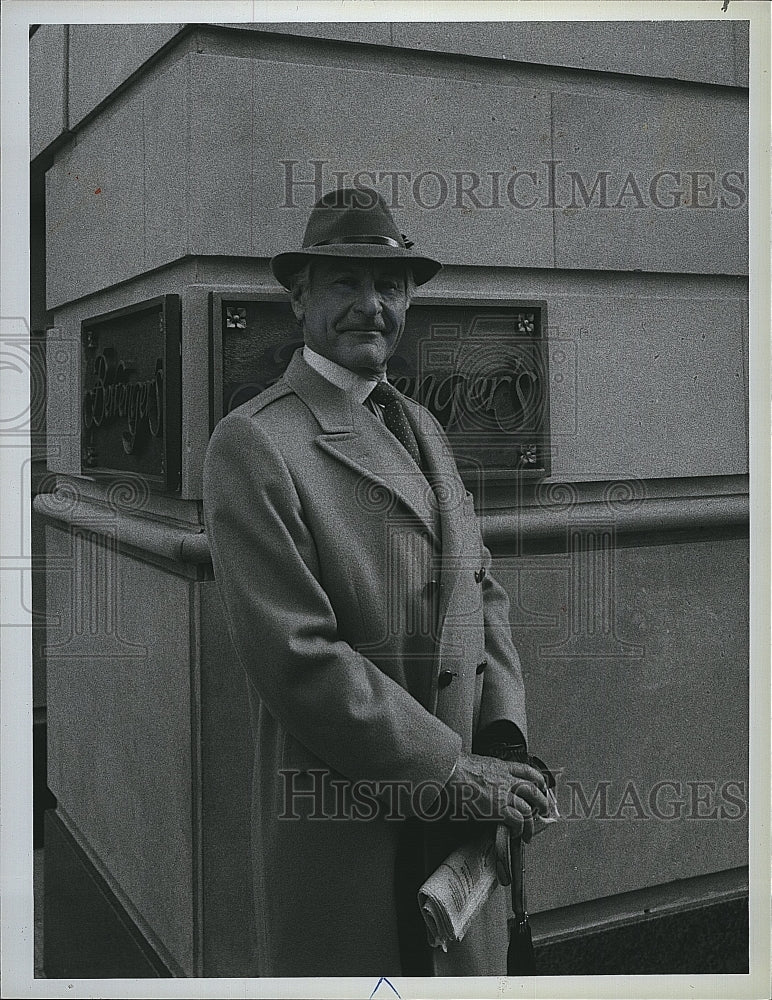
(385,510)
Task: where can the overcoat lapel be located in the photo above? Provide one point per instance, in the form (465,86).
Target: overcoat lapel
(353,436)
(455,505)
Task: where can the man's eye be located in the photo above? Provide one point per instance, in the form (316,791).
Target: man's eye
(389,286)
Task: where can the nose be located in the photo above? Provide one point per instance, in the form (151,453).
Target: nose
(368,300)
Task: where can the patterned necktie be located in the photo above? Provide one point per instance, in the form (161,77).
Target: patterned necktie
(394,416)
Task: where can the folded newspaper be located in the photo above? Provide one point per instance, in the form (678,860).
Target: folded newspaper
(455,893)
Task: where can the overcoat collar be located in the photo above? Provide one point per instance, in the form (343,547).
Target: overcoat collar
(353,435)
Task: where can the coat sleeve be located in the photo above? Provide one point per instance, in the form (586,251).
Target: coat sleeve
(330,697)
(503,693)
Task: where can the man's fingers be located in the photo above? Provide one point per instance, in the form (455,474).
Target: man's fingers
(521,809)
(534,796)
(518,816)
(528,773)
(486,788)
(513,819)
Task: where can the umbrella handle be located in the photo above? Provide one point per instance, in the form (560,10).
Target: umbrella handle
(517,865)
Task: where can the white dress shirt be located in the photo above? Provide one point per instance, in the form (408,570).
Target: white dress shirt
(358,386)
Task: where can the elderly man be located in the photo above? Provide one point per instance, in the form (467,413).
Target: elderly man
(375,641)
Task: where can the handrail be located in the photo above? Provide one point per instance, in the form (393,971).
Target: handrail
(667,514)
(501,531)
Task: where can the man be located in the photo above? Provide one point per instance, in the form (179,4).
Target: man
(375,641)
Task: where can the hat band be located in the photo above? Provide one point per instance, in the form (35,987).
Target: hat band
(385,241)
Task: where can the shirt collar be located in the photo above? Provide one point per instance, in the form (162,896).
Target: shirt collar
(359,386)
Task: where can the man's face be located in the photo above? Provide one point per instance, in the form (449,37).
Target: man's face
(353,312)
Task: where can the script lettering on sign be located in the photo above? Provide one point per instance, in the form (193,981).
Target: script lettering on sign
(115,396)
(130,410)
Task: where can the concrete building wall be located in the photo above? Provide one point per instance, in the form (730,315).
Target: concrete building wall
(205,142)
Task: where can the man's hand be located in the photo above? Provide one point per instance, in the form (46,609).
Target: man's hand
(486,788)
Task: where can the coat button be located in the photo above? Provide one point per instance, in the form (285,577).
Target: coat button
(479,575)
(430,589)
(446,676)
(482,666)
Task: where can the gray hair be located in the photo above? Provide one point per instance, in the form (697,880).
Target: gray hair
(299,281)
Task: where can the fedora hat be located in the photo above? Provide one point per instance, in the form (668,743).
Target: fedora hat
(353,223)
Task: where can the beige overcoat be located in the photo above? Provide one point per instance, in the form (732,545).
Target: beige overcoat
(375,643)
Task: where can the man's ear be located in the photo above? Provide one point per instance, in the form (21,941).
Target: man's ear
(298,301)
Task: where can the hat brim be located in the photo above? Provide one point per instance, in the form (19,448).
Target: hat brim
(284,265)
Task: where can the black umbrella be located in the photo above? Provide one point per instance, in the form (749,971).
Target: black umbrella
(521,960)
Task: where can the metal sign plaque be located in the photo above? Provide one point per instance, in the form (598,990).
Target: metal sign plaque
(130,397)
(479,367)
